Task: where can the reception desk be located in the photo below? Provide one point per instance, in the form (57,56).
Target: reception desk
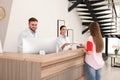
(68,65)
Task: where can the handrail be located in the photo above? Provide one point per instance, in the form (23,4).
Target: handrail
(113,6)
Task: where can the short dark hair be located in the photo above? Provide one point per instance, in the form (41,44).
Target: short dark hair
(32,19)
(62,27)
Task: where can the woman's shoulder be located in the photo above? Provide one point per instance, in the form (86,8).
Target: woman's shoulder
(90,38)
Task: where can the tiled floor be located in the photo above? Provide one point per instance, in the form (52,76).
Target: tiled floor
(110,73)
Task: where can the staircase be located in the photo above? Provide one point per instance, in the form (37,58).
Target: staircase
(96,10)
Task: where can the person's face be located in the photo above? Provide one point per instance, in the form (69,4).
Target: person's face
(33,25)
(63,31)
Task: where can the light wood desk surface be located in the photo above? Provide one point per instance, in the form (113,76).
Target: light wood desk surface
(44,59)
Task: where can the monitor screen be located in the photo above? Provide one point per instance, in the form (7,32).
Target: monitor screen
(35,45)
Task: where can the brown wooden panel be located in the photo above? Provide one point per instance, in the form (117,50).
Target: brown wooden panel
(9,77)
(17,70)
(66,75)
(75,73)
(0,69)
(36,71)
(49,70)
(81,70)
(53,78)
(82,78)
(21,72)
(3,68)
(14,73)
(29,70)
(72,73)
(24,70)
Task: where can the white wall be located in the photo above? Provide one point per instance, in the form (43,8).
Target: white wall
(111,42)
(47,12)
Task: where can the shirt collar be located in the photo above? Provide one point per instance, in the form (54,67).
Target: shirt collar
(63,36)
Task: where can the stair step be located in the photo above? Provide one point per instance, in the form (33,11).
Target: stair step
(97,15)
(98,19)
(87,23)
(93,2)
(108,29)
(113,36)
(85,30)
(94,11)
(93,6)
(106,26)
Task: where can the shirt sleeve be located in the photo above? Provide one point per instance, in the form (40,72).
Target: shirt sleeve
(59,44)
(89,46)
(20,41)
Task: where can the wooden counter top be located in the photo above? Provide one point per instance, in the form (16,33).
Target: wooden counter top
(44,59)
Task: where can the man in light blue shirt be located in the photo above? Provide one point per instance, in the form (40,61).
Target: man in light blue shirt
(30,32)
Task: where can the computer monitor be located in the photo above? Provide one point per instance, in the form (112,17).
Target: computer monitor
(35,45)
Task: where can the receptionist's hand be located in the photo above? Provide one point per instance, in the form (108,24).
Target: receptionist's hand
(66,44)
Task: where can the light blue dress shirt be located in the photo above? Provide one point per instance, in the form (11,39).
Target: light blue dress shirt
(28,33)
